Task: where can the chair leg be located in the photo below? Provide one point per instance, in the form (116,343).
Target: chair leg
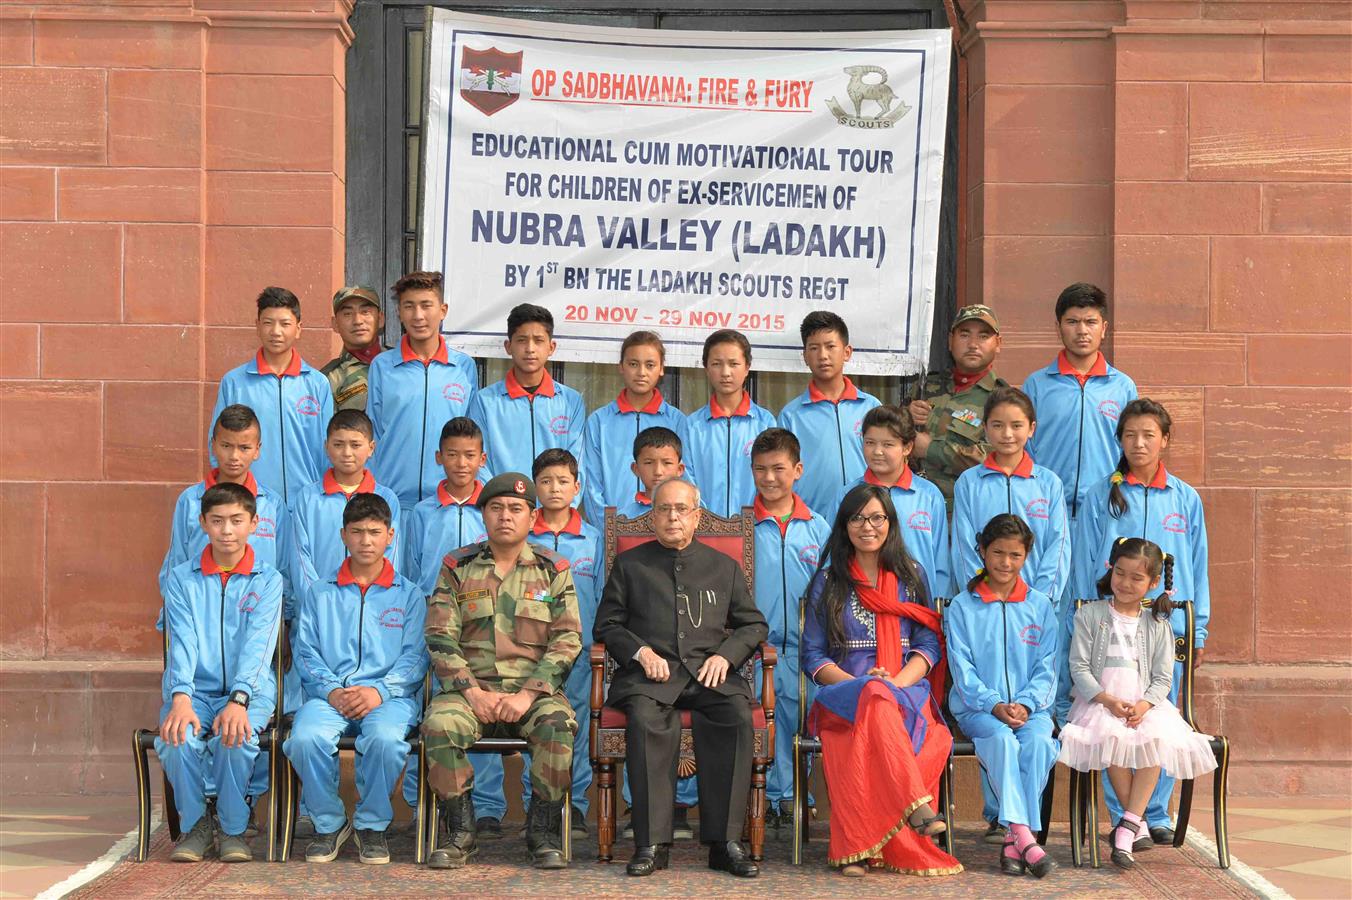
(566,836)
(291,798)
(1072,805)
(1048,797)
(605,809)
(755,818)
(949,806)
(799,804)
(434,816)
(420,814)
(278,788)
(142,766)
(1222,796)
(1092,802)
(1184,812)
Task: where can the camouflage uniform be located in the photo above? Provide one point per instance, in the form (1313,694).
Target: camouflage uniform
(347,378)
(522,631)
(957,434)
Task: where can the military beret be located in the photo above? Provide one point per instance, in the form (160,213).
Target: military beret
(508,484)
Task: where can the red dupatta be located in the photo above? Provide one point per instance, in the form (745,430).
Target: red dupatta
(888,609)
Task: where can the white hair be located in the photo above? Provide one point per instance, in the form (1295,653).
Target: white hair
(694,487)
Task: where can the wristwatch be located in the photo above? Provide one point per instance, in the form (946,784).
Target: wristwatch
(240,697)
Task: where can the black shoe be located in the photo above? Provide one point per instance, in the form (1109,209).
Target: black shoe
(680,825)
(772,821)
(372,848)
(577,823)
(995,834)
(1122,858)
(731,857)
(489,828)
(647,860)
(1043,867)
(627,831)
(1161,834)
(462,843)
(324,847)
(1010,865)
(544,824)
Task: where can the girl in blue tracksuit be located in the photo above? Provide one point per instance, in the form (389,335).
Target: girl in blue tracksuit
(719,436)
(1002,651)
(889,437)
(1142,499)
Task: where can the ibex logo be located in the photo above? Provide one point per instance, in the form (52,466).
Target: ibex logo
(876,92)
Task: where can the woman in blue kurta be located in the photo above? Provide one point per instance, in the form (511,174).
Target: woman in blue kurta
(871,644)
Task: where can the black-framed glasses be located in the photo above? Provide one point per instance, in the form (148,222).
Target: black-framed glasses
(877,520)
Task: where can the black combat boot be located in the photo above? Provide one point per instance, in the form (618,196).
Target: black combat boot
(544,823)
(462,842)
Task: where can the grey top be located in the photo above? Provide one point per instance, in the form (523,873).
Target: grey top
(1089,647)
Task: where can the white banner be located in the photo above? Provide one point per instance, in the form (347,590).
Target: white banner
(685,181)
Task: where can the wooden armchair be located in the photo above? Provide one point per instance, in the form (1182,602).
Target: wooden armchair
(1084,786)
(735,537)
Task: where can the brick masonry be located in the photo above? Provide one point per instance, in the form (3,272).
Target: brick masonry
(1181,154)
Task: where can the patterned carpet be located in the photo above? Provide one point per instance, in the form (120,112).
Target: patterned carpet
(502,871)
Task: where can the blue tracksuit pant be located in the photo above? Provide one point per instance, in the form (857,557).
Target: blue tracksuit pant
(382,750)
(201,760)
(1017,762)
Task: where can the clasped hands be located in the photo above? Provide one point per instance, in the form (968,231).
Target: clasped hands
(713,673)
(1133,713)
(495,706)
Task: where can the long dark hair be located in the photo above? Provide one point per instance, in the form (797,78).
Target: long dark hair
(1141,406)
(1157,563)
(835,562)
(1005,525)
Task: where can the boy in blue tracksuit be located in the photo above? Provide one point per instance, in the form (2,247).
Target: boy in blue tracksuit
(293,402)
(828,417)
(889,437)
(559,527)
(657,457)
(1079,398)
(362,658)
(235,436)
(528,412)
(1002,652)
(414,389)
(719,436)
(789,539)
(222,614)
(450,518)
(607,476)
(316,543)
(1141,499)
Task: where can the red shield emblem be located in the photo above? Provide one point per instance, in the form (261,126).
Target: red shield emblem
(490,80)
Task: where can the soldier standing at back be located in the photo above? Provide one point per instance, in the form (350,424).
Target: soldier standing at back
(503,631)
(951,437)
(358,319)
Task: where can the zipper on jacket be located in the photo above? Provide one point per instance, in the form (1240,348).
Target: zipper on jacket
(727,474)
(530,414)
(840,442)
(422,432)
(225,682)
(784,590)
(1079,455)
(1009,494)
(1004,630)
(638,429)
(361,632)
(281,430)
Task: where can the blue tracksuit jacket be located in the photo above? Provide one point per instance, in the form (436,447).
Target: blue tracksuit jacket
(581,545)
(293,411)
(608,450)
(409,401)
(1166,511)
(924,525)
(832,449)
(435,527)
(518,426)
(222,630)
(1034,494)
(718,453)
(1001,651)
(316,548)
(347,636)
(1076,433)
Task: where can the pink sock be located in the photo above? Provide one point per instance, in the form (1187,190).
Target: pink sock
(1123,838)
(1027,844)
(1010,850)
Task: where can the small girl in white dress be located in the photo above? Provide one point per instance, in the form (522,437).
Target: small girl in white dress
(1121,666)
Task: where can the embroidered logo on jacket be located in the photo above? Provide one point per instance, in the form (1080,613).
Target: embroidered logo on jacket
(919,521)
(1031,635)
(1175,523)
(1037,509)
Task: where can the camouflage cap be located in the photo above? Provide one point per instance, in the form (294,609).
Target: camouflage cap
(979,312)
(355,291)
(508,484)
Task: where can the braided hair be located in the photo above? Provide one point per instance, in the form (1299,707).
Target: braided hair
(1158,564)
(1141,406)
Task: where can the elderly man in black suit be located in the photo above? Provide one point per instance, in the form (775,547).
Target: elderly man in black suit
(677,617)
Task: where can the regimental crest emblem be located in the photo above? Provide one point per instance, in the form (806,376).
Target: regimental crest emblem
(877,94)
(490,80)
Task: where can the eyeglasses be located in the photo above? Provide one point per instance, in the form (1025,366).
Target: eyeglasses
(877,520)
(679,510)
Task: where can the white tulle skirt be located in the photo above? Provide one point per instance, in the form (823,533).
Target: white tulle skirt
(1094,738)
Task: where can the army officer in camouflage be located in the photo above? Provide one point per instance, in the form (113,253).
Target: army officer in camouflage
(951,436)
(359,320)
(503,631)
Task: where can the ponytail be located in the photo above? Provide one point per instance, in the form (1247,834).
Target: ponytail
(1164,603)
(1117,504)
(976,579)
